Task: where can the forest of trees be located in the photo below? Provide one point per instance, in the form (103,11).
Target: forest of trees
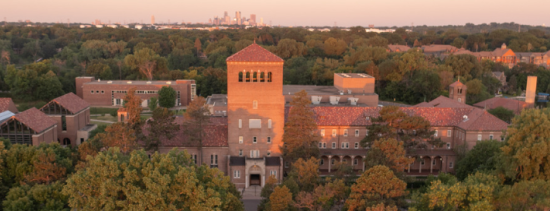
(35,57)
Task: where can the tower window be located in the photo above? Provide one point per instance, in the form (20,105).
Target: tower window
(240,77)
(254,77)
(248,77)
(269,77)
(262,77)
(269,140)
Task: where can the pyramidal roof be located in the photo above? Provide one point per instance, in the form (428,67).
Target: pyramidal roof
(456,83)
(254,53)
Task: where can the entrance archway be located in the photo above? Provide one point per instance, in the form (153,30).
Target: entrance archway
(255,179)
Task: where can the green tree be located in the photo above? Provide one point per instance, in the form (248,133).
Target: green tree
(136,182)
(167,97)
(502,113)
(160,126)
(37,197)
(196,119)
(483,157)
(334,47)
(524,155)
(300,138)
(153,103)
(146,61)
(376,185)
(48,87)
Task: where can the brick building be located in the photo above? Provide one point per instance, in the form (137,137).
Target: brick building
(245,143)
(28,127)
(111,93)
(72,115)
(6,104)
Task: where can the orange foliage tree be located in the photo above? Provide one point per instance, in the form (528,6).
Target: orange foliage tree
(376,185)
(306,173)
(46,170)
(300,138)
(280,199)
(119,135)
(388,152)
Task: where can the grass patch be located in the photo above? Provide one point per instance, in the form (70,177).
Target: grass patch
(105,118)
(100,123)
(108,111)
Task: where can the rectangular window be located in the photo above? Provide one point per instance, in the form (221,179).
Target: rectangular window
(449,134)
(334,145)
(237,174)
(254,123)
(240,152)
(64,123)
(321,162)
(320,145)
(241,139)
(269,123)
(332,161)
(255,77)
(269,140)
(324,145)
(366,132)
(345,145)
(479,137)
(356,145)
(333,132)
(322,132)
(254,153)
(451,165)
(355,161)
(273,173)
(255,104)
(491,137)
(286,164)
(346,133)
(194,158)
(240,123)
(448,145)
(435,133)
(213,159)
(356,133)
(254,140)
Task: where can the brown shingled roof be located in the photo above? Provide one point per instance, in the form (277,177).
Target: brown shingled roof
(6,103)
(72,102)
(443,102)
(254,53)
(456,83)
(35,119)
(215,134)
(514,105)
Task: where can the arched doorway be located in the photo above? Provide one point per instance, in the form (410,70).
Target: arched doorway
(255,175)
(66,142)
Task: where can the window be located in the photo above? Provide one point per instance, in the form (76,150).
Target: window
(269,140)
(321,162)
(240,123)
(502,138)
(269,123)
(334,145)
(320,145)
(255,104)
(240,152)
(262,77)
(324,145)
(254,140)
(491,137)
(356,145)
(255,77)
(97,91)
(356,133)
(273,173)
(248,77)
(286,164)
(268,153)
(448,145)
(332,161)
(451,165)
(254,123)
(63,123)
(213,159)
(254,153)
(92,91)
(237,174)
(435,133)
(269,77)
(194,157)
(240,77)
(433,162)
(479,137)
(366,132)
(102,92)
(345,145)
(449,133)
(322,132)
(333,132)
(355,161)
(346,133)
(241,139)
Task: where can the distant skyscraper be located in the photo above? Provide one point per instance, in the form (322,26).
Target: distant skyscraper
(238,17)
(252,19)
(152,20)
(261,21)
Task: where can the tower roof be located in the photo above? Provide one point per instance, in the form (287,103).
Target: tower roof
(254,53)
(456,83)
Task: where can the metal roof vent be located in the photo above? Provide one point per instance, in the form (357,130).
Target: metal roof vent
(168,82)
(334,100)
(341,92)
(148,82)
(128,82)
(349,91)
(465,117)
(109,82)
(316,100)
(353,101)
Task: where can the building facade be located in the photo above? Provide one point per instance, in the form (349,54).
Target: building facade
(111,93)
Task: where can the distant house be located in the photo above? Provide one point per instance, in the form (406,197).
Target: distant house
(397,48)
(438,50)
(501,77)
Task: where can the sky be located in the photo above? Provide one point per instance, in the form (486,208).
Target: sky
(343,13)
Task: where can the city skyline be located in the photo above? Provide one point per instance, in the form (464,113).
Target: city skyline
(303,13)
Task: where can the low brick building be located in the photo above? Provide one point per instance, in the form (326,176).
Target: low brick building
(111,93)
(72,114)
(30,127)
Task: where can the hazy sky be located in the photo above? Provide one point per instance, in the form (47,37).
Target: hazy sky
(285,12)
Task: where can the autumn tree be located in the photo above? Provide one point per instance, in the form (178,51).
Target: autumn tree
(40,197)
(300,138)
(167,97)
(280,199)
(524,195)
(160,126)
(392,122)
(196,119)
(323,197)
(388,152)
(198,45)
(119,135)
(45,169)
(524,156)
(376,185)
(114,181)
(335,47)
(132,104)
(305,172)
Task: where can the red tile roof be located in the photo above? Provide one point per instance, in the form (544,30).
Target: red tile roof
(72,102)
(456,83)
(35,119)
(514,105)
(254,53)
(215,134)
(6,103)
(477,119)
(443,102)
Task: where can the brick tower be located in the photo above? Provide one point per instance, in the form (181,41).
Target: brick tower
(255,106)
(457,91)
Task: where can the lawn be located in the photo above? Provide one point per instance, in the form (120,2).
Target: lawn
(99,110)
(105,118)
(99,123)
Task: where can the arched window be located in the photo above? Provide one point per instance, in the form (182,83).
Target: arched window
(269,77)
(247,76)
(262,77)
(255,77)
(240,77)
(66,141)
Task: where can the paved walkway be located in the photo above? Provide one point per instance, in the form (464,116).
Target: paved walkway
(104,121)
(252,198)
